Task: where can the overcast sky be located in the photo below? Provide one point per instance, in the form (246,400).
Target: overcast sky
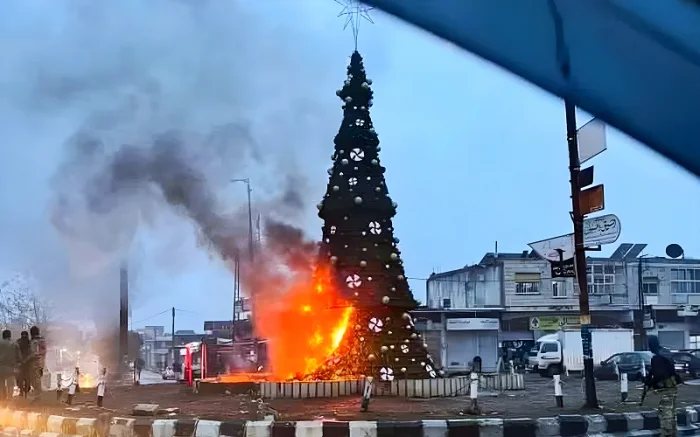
(474,155)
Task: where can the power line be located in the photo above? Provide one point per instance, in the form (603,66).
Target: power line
(188,311)
(150,317)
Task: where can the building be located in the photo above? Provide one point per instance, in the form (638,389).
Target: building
(508,300)
(158,350)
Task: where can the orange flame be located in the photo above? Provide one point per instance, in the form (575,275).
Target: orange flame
(305,325)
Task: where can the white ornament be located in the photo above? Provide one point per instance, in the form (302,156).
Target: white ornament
(375,324)
(333,229)
(371,356)
(353,281)
(363,263)
(394,256)
(344,161)
(358,200)
(334,259)
(384,348)
(393,288)
(352,181)
(404,348)
(394,204)
(385,300)
(377,189)
(403,369)
(369,278)
(401,277)
(348,99)
(357,154)
(406,316)
(369,81)
(365,85)
(372,130)
(375,228)
(414,335)
(320,206)
(396,359)
(336,188)
(375,162)
(386,374)
(442,373)
(330,171)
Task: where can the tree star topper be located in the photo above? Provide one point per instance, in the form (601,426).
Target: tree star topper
(354,11)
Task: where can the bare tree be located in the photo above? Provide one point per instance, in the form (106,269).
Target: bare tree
(20,305)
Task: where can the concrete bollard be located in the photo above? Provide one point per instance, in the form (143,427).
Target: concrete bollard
(558,391)
(367,393)
(623,387)
(101,386)
(474,389)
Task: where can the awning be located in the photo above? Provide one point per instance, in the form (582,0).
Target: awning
(633,64)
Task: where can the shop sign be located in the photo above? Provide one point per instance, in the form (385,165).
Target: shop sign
(473,324)
(554,323)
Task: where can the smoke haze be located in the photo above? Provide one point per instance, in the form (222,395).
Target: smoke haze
(125,123)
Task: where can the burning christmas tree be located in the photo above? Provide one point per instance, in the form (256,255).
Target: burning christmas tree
(359,244)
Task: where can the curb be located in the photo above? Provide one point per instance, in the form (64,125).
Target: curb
(23,424)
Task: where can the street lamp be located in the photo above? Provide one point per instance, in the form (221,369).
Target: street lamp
(250,216)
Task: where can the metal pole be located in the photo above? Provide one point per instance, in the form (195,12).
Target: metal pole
(639,322)
(172,341)
(250,223)
(580,255)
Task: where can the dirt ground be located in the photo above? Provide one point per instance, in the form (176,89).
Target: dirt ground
(536,401)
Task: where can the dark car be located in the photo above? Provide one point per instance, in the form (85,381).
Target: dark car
(687,362)
(634,364)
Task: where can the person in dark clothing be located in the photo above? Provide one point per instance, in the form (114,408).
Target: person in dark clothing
(8,365)
(664,380)
(24,346)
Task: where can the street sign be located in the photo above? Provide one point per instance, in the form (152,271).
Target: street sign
(554,323)
(591,140)
(604,229)
(563,269)
(549,249)
(585,177)
(592,200)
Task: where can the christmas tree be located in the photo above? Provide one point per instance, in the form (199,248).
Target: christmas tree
(359,244)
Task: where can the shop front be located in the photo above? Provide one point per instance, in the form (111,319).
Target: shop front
(468,338)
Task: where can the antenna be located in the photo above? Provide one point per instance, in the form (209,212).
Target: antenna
(674,251)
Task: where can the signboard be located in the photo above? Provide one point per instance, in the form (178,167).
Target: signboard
(242,305)
(596,231)
(592,200)
(472,324)
(585,177)
(549,249)
(591,140)
(601,230)
(563,269)
(554,323)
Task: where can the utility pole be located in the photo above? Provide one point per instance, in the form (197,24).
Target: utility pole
(172,342)
(123,317)
(580,254)
(639,319)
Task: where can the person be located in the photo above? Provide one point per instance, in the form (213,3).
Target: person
(38,360)
(8,363)
(24,355)
(664,380)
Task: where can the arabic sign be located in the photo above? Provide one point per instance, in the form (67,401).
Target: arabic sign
(601,230)
(596,231)
(554,323)
(563,269)
(472,324)
(549,249)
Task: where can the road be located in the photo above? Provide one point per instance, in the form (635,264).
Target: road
(153,378)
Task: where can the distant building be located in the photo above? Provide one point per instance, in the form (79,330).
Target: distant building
(511,299)
(158,351)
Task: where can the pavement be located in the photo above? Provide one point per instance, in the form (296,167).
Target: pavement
(536,401)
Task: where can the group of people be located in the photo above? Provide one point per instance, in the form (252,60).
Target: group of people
(22,363)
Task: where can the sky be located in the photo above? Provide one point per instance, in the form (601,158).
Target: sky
(474,155)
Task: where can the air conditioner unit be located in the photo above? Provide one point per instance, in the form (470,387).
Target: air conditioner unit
(687,311)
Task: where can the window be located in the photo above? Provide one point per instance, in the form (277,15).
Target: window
(601,278)
(558,289)
(695,341)
(685,281)
(527,288)
(650,288)
(549,347)
(446,303)
(527,283)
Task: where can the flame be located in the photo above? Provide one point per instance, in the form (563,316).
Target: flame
(305,325)
(86,380)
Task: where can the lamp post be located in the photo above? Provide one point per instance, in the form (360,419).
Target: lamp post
(250,216)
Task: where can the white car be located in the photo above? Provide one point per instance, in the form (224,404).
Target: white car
(168,373)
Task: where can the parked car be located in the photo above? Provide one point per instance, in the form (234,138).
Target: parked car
(168,374)
(634,364)
(687,362)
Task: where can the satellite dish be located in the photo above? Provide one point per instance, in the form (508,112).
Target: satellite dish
(674,251)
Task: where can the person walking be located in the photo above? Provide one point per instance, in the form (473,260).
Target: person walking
(24,345)
(8,365)
(38,360)
(664,380)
